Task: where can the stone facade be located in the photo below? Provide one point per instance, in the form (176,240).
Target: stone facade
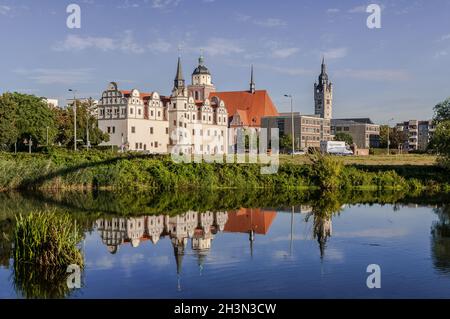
(158,124)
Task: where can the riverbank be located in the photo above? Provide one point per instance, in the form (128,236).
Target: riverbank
(112,171)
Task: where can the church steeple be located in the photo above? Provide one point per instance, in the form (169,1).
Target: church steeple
(179,79)
(252,82)
(323,77)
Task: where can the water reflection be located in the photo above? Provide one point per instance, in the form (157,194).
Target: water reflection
(440,232)
(194,228)
(197,227)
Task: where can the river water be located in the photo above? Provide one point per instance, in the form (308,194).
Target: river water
(198,246)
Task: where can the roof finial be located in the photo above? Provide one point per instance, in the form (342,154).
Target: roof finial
(201,59)
(252,82)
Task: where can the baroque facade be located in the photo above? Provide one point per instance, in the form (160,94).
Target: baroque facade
(185,122)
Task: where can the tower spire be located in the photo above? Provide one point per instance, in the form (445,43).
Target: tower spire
(179,79)
(324,66)
(252,82)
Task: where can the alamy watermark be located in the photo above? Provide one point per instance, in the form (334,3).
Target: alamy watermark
(374,279)
(374,19)
(74,19)
(74,279)
(232,145)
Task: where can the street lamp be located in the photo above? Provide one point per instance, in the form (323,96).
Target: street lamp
(74,119)
(388,139)
(292,121)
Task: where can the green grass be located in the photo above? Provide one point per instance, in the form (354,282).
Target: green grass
(107,170)
(384,160)
(47,239)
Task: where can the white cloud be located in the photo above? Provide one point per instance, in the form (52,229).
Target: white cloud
(358,9)
(159,46)
(445,37)
(270,23)
(163,4)
(284,70)
(441,53)
(333,10)
(4,10)
(376,75)
(125,43)
(57,76)
(127,4)
(222,46)
(284,52)
(335,53)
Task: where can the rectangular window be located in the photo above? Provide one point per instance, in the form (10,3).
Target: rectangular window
(109,130)
(175,122)
(151,130)
(131,110)
(114,129)
(167,130)
(159,113)
(193,132)
(133,129)
(151,113)
(156,144)
(137,145)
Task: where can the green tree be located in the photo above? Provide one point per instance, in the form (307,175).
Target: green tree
(442,111)
(384,135)
(8,118)
(285,143)
(85,119)
(441,142)
(344,137)
(29,117)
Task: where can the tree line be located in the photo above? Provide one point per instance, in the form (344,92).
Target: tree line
(27,119)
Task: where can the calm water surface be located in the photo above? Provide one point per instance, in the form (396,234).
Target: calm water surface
(286,252)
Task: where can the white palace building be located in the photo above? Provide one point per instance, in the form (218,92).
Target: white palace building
(187,122)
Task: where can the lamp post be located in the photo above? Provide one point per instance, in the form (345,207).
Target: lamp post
(292,121)
(74,119)
(388,139)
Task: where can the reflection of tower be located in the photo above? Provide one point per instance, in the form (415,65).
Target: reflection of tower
(251,233)
(322,231)
(179,246)
(220,220)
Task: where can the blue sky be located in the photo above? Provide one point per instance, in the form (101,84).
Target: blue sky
(399,71)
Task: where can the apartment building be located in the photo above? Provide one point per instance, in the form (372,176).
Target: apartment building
(418,134)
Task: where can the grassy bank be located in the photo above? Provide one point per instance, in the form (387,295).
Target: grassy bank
(104,170)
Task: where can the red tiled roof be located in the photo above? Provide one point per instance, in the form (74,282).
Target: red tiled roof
(255,105)
(142,94)
(247,219)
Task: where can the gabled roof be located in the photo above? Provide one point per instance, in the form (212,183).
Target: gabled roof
(245,220)
(256,105)
(143,95)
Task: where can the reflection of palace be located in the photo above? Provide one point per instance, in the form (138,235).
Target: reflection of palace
(199,227)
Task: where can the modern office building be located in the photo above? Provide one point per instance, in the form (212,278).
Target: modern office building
(364,132)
